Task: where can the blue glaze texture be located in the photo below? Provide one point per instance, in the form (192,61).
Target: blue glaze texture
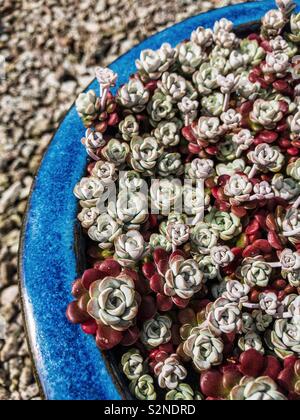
(69,365)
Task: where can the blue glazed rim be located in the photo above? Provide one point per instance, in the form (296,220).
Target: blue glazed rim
(67,363)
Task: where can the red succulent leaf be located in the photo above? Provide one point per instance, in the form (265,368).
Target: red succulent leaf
(148,308)
(272,367)
(251,251)
(75,315)
(164,303)
(113,120)
(107,338)
(252,227)
(186,316)
(167,348)
(274,240)
(239,211)
(251,363)
(110,267)
(131,336)
(188,134)
(78,289)
(160,254)
(157,283)
(194,148)
(90,327)
(90,276)
(149,270)
(151,86)
(181,303)
(231,377)
(211,384)
(263,245)
(162,267)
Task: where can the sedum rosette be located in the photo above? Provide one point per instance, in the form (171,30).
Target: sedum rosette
(156,331)
(204,348)
(114,302)
(170,372)
(260,389)
(183,278)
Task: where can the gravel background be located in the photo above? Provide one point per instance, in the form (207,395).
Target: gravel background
(48,50)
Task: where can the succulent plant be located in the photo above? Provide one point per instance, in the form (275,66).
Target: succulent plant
(291,225)
(269,303)
(178,233)
(131,181)
(160,241)
(133,364)
(130,248)
(133,96)
(208,128)
(273,23)
(277,62)
(285,188)
(260,389)
(91,191)
(293,170)
(236,292)
(227,224)
(204,348)
(214,104)
(170,372)
(183,278)
(188,109)
(262,320)
(145,154)
(266,158)
(129,128)
(254,51)
(130,209)
(104,231)
(203,238)
(165,195)
(173,85)
(190,56)
(285,338)
(251,340)
(156,331)
(295,28)
(105,171)
(161,108)
(266,113)
(202,37)
(167,134)
(256,272)
(224,316)
(208,268)
(114,302)
(115,152)
(152,64)
(238,188)
(231,119)
(221,255)
(183,393)
(205,79)
(143,388)
(88,107)
(88,216)
(170,164)
(93,141)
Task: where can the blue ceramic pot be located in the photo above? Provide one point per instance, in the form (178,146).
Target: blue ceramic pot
(67,362)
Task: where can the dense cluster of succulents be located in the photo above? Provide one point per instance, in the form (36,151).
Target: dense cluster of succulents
(191,210)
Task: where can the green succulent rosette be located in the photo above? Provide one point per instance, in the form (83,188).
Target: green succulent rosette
(143,388)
